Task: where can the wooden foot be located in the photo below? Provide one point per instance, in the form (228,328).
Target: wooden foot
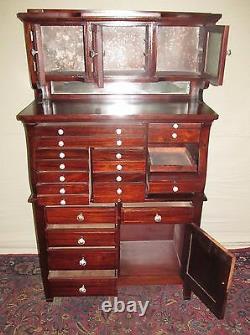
(49,299)
(186,292)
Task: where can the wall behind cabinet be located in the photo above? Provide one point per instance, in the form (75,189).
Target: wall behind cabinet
(226,215)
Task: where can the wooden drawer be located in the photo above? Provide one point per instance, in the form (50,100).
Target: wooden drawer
(163,133)
(64,199)
(119,177)
(80,259)
(123,166)
(63,188)
(80,215)
(176,186)
(100,286)
(159,215)
(62,153)
(62,176)
(80,237)
(110,192)
(118,155)
(61,165)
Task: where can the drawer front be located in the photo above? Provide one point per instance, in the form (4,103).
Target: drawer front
(62,154)
(118,155)
(80,237)
(114,166)
(170,186)
(80,215)
(80,259)
(64,199)
(61,165)
(62,189)
(83,287)
(160,215)
(113,192)
(62,177)
(119,177)
(162,133)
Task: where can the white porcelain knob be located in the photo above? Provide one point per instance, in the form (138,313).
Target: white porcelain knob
(60,131)
(175,125)
(119,143)
(83,262)
(82,289)
(62,166)
(80,217)
(62,178)
(175,188)
(118,131)
(62,202)
(81,241)
(157,218)
(119,167)
(119,191)
(62,155)
(174,135)
(62,191)
(118,178)
(118,155)
(61,143)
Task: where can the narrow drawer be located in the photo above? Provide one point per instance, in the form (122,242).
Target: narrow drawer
(80,259)
(62,153)
(114,166)
(61,165)
(81,215)
(119,177)
(64,199)
(176,186)
(118,155)
(113,192)
(159,215)
(163,133)
(62,176)
(80,237)
(62,189)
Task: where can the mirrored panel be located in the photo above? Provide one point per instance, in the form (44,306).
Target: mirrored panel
(213,53)
(63,48)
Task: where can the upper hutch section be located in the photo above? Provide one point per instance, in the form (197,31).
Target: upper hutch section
(78,52)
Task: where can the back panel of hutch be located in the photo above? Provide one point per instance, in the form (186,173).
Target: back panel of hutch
(117,141)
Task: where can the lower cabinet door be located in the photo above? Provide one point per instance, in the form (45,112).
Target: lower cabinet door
(207,269)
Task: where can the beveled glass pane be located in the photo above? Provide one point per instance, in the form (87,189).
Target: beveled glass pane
(63,48)
(213,53)
(124,48)
(178,49)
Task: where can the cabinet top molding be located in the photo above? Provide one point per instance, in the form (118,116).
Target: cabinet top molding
(76,15)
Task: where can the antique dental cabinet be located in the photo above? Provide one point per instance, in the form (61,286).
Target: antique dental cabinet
(117,141)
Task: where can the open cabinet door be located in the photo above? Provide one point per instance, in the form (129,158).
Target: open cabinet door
(97,54)
(207,269)
(216,51)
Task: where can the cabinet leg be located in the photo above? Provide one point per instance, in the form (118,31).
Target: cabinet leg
(186,292)
(49,299)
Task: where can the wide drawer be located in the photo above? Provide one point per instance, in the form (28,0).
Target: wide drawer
(62,153)
(118,155)
(119,177)
(114,166)
(80,215)
(64,199)
(59,164)
(80,237)
(78,259)
(162,133)
(176,186)
(61,189)
(114,192)
(62,176)
(158,215)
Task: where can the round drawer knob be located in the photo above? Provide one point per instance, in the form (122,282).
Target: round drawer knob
(80,217)
(82,289)
(175,188)
(175,126)
(118,155)
(61,143)
(83,262)
(60,132)
(62,202)
(62,155)
(118,178)
(62,191)
(119,167)
(62,166)
(119,143)
(119,191)
(62,178)
(118,131)
(157,218)
(174,135)
(81,241)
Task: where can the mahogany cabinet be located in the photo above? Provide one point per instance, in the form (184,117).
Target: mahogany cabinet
(117,141)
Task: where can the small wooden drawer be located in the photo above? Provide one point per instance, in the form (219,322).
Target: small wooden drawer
(62,177)
(173,213)
(68,284)
(120,166)
(80,215)
(176,186)
(113,192)
(80,237)
(62,189)
(162,133)
(80,259)
(118,155)
(119,177)
(61,165)
(62,154)
(63,199)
